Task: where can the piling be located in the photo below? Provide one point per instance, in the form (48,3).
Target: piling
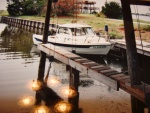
(74,83)
(45,38)
(132,59)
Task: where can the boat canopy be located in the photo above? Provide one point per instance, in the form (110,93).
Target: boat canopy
(74,25)
(75,29)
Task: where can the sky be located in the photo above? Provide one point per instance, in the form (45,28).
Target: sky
(3,4)
(100,3)
(141,9)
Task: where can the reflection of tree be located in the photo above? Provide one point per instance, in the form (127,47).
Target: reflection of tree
(16,41)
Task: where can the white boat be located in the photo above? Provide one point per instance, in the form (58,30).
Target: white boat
(77,38)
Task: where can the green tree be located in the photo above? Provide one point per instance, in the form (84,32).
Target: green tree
(14,7)
(39,6)
(112,10)
(25,7)
(33,7)
(28,8)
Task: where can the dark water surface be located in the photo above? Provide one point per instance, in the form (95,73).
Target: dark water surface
(19,61)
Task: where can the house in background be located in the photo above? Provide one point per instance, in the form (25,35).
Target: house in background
(85,6)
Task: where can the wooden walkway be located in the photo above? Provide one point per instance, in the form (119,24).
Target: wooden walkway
(99,72)
(145,50)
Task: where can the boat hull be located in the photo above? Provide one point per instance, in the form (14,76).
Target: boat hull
(89,48)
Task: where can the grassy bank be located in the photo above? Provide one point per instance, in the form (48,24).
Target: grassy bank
(3,13)
(90,19)
(97,23)
(115,26)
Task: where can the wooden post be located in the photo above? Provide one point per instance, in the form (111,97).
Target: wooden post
(27,28)
(21,23)
(34,26)
(106,30)
(130,44)
(132,59)
(67,67)
(74,83)
(45,36)
(30,26)
(136,105)
(24,24)
(17,23)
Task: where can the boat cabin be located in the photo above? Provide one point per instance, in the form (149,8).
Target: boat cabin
(75,30)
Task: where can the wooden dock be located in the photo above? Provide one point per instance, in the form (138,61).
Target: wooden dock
(104,74)
(143,48)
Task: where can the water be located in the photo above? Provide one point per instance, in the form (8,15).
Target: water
(17,68)
(19,61)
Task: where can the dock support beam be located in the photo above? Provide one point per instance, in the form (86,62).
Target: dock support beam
(74,83)
(132,59)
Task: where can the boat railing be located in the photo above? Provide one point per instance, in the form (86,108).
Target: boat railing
(87,38)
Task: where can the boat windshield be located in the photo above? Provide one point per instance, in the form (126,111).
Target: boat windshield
(63,30)
(82,31)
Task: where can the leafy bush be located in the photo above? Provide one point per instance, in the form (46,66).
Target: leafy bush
(114,35)
(14,8)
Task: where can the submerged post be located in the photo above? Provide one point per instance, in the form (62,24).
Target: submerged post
(74,82)
(45,38)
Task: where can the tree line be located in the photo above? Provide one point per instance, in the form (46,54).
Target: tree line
(61,8)
(25,7)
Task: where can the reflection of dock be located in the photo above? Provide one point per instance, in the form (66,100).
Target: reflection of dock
(99,72)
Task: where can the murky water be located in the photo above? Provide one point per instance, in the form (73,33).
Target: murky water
(19,61)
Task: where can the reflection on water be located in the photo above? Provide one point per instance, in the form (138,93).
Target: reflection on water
(19,60)
(18,44)
(17,66)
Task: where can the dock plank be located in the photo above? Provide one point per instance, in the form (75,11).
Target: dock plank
(104,79)
(90,64)
(112,73)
